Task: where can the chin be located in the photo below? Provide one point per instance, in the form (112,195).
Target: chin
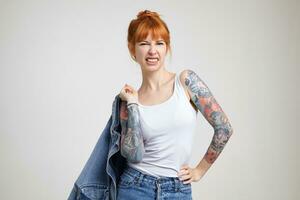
(151,67)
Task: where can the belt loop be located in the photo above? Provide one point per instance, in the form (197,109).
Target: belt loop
(176,184)
(141,176)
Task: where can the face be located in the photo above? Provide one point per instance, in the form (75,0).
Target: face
(150,54)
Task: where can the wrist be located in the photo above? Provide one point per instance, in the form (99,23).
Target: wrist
(132,103)
(203,166)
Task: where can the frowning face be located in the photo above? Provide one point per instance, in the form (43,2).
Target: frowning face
(150,54)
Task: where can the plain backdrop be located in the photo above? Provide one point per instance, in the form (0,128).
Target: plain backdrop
(63,62)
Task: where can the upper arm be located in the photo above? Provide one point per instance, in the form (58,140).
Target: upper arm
(182,77)
(203,99)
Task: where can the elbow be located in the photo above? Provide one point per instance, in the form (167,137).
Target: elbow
(225,129)
(135,156)
(230,129)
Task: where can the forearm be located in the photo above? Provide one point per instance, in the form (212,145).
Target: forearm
(221,136)
(132,145)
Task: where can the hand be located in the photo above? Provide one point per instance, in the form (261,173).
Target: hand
(188,174)
(129,94)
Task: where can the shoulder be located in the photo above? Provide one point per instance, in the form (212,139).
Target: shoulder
(188,74)
(185,77)
(190,79)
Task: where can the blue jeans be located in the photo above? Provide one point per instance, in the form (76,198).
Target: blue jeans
(135,185)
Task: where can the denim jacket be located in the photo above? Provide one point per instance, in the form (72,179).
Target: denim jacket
(98,179)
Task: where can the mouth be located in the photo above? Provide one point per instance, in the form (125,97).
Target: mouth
(152,60)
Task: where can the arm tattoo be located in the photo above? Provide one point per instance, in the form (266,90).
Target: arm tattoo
(132,145)
(202,97)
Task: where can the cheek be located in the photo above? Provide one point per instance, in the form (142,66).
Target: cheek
(138,54)
(163,51)
(141,51)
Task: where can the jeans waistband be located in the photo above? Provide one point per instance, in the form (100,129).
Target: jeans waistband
(156,180)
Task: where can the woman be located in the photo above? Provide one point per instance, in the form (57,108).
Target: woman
(158,119)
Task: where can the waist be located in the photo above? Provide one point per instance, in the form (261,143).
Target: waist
(135,172)
(153,181)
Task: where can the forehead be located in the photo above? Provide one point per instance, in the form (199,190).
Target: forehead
(151,38)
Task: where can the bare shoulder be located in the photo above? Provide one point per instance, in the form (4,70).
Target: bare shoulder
(189,80)
(183,77)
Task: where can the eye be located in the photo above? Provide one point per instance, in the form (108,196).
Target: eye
(143,44)
(160,43)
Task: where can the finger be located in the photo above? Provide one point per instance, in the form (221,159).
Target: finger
(184,167)
(187,182)
(127,89)
(183,172)
(185,178)
(131,88)
(128,86)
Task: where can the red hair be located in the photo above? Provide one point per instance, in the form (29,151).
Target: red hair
(145,23)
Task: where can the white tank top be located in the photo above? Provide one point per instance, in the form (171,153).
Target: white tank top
(168,130)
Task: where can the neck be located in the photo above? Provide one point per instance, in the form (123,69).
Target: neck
(154,80)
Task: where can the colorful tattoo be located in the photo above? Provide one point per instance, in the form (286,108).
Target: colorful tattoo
(132,145)
(202,97)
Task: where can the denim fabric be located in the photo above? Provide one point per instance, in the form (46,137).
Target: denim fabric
(98,178)
(134,185)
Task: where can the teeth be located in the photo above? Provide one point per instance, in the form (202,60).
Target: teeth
(152,59)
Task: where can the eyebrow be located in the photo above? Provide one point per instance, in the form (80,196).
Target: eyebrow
(157,41)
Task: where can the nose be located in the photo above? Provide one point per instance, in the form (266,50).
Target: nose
(152,49)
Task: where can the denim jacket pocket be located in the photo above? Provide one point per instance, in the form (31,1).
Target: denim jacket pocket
(94,192)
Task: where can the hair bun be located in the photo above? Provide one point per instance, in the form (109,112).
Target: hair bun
(147,13)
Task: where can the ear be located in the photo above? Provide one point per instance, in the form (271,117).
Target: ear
(131,49)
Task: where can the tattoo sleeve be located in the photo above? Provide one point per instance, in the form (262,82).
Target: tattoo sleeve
(202,97)
(132,145)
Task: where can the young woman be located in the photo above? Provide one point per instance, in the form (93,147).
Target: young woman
(158,120)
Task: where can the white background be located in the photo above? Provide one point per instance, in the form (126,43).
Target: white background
(63,62)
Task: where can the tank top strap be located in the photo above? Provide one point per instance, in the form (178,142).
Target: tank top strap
(176,83)
(178,86)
